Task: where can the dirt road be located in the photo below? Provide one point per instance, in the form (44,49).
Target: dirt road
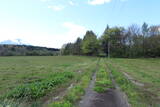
(110,98)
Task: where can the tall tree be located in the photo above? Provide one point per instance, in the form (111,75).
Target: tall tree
(68,49)
(133,32)
(104,41)
(90,44)
(145,30)
(116,41)
(77,47)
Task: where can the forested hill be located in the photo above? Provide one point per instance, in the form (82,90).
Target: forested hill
(25,50)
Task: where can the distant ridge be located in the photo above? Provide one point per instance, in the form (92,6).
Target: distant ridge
(14,42)
(26,50)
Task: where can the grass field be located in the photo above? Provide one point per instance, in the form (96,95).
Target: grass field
(144,72)
(33,77)
(38,78)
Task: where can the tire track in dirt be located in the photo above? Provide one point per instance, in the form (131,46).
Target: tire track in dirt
(142,86)
(110,98)
(133,80)
(89,93)
(58,97)
(130,78)
(121,98)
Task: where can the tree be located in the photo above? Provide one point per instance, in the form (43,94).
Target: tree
(104,41)
(77,47)
(90,44)
(132,42)
(145,31)
(116,41)
(154,30)
(68,49)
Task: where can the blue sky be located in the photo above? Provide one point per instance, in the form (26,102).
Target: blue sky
(52,23)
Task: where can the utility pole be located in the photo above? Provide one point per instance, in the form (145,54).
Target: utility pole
(108,49)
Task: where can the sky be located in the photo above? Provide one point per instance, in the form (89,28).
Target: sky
(52,23)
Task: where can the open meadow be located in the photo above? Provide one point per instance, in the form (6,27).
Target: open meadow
(63,81)
(143,73)
(31,78)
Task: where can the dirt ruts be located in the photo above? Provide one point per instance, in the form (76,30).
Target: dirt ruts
(130,78)
(110,98)
(133,80)
(90,94)
(120,97)
(52,98)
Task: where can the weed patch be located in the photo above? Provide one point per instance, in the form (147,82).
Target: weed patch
(103,81)
(38,89)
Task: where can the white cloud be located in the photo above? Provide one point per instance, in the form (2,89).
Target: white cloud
(123,0)
(74,31)
(39,37)
(56,7)
(98,2)
(45,0)
(71,3)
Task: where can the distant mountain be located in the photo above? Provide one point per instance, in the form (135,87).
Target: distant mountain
(14,42)
(8,42)
(26,50)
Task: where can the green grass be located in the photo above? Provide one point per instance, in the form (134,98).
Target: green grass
(103,80)
(74,94)
(62,104)
(38,89)
(31,78)
(145,71)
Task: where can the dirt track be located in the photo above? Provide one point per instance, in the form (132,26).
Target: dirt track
(110,98)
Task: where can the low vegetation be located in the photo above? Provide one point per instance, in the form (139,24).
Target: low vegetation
(138,95)
(75,93)
(27,50)
(44,75)
(28,80)
(40,88)
(103,80)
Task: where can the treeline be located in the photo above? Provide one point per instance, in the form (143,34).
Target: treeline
(24,50)
(131,42)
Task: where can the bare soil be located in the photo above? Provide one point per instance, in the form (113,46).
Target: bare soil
(110,98)
(88,98)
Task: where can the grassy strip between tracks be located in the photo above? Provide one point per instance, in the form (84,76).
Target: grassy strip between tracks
(135,97)
(103,80)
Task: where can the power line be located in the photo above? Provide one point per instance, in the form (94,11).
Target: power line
(122,6)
